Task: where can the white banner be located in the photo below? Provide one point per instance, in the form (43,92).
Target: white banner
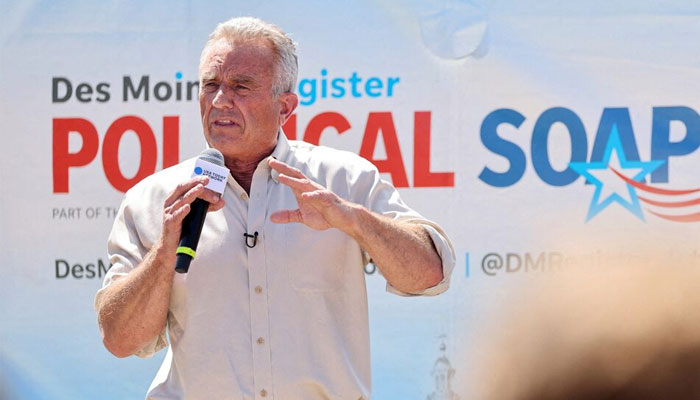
(489,116)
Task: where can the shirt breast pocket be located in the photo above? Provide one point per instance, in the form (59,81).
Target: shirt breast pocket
(315,260)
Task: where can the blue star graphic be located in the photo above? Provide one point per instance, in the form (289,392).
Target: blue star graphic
(598,205)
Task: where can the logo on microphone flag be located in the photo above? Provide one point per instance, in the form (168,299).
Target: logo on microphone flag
(217,174)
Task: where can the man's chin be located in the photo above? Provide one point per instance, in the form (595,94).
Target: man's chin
(226,143)
(226,130)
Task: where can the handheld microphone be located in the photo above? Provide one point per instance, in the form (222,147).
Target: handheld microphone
(193,222)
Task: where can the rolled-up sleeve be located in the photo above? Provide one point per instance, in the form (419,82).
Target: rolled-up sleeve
(443,246)
(381,197)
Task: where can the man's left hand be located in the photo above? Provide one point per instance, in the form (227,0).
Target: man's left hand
(319,208)
(403,252)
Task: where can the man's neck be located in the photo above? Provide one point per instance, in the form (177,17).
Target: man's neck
(243,170)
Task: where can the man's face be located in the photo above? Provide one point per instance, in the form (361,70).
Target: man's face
(240,115)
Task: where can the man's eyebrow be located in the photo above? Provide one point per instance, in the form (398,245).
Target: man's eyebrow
(213,75)
(239,78)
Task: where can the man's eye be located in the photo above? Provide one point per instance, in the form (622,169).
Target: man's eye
(211,84)
(241,87)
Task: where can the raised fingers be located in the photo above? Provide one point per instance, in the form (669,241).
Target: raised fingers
(285,169)
(286,216)
(297,184)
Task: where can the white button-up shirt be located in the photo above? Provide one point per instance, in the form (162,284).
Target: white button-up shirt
(285,319)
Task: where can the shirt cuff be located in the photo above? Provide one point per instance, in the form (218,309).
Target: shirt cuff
(447,255)
(158,343)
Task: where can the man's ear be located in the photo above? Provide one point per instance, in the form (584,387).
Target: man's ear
(289,102)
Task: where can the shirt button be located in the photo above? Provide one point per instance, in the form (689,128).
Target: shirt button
(258,289)
(263,393)
(244,196)
(261,341)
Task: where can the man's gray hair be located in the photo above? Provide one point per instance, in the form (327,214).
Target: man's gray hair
(249,28)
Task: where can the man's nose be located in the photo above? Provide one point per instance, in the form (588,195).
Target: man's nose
(223,97)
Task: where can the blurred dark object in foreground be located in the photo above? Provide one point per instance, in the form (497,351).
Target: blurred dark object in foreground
(624,332)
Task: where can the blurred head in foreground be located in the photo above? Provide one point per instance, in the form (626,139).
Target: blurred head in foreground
(611,332)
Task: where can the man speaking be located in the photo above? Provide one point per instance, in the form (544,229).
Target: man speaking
(274,303)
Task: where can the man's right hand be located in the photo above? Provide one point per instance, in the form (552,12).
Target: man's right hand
(177,206)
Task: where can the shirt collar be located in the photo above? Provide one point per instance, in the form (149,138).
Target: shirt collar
(279,153)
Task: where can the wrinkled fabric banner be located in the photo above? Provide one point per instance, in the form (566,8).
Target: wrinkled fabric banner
(490,117)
